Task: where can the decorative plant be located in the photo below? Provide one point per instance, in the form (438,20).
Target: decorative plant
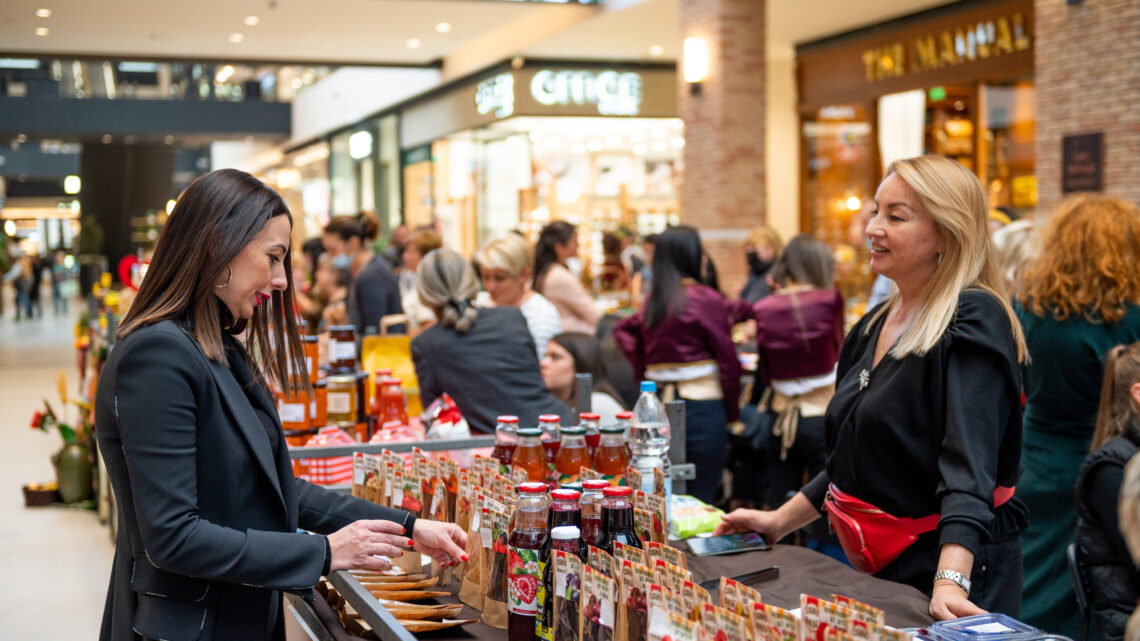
(47,419)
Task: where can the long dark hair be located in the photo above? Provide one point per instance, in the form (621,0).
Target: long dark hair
(805,260)
(558,232)
(587,355)
(364,226)
(677,255)
(213,221)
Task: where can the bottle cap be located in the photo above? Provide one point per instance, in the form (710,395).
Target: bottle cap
(624,416)
(532,487)
(549,418)
(617,491)
(383,372)
(595,484)
(566,495)
(573,431)
(391,381)
(530,431)
(649,386)
(507,418)
(612,429)
(566,533)
(590,416)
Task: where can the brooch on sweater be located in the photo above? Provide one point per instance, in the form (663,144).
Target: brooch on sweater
(864,380)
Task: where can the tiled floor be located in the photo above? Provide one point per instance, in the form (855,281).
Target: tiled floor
(55,561)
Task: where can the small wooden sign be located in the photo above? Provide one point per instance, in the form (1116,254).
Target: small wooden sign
(1082,163)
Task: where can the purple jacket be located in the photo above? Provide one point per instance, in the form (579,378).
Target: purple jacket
(700,330)
(789,350)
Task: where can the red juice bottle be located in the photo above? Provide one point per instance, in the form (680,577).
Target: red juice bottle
(529,454)
(591,503)
(565,509)
(551,439)
(589,422)
(525,566)
(617,519)
(506,438)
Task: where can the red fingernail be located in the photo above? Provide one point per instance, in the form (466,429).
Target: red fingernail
(402,530)
(464,558)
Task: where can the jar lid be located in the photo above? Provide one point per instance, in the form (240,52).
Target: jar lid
(532,487)
(342,379)
(612,429)
(595,484)
(530,431)
(624,415)
(342,328)
(391,381)
(566,533)
(507,418)
(324,382)
(549,418)
(384,371)
(566,495)
(617,491)
(589,416)
(573,431)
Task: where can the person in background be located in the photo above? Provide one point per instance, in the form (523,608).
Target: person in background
(331,289)
(209,508)
(574,353)
(60,274)
(483,358)
(925,422)
(642,280)
(397,242)
(420,243)
(557,243)
(1109,572)
(1130,528)
(613,273)
(632,253)
(308,306)
(505,266)
(1080,298)
(682,339)
(35,292)
(20,275)
(762,248)
(1016,246)
(372,292)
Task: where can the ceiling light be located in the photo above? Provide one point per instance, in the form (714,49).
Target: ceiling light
(640,149)
(677,142)
(106,139)
(296,83)
(695,62)
(595,145)
(19,63)
(168,139)
(236,38)
(443,27)
(535,136)
(637,137)
(21,138)
(10,227)
(41,31)
(659,145)
(853,203)
(71,184)
(659,133)
(251,21)
(360,145)
(414,43)
(578,148)
(613,142)
(656,50)
(43,13)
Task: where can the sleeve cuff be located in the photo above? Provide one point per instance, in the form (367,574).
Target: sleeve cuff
(328,558)
(816,490)
(965,535)
(409,524)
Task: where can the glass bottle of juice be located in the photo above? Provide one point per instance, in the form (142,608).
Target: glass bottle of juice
(573,455)
(617,519)
(506,438)
(612,457)
(589,422)
(525,566)
(591,503)
(567,538)
(529,454)
(565,509)
(625,420)
(394,413)
(551,439)
(378,377)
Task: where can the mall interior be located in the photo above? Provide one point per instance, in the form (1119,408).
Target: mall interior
(466,121)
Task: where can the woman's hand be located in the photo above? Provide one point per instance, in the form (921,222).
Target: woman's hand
(443,542)
(361,545)
(775,524)
(950,602)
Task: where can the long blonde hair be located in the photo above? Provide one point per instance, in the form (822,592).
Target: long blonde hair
(957,202)
(1118,414)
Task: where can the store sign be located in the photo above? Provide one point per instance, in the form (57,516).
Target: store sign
(616,93)
(496,95)
(980,41)
(1082,163)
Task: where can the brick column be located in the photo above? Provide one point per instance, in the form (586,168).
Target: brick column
(1087,76)
(723,194)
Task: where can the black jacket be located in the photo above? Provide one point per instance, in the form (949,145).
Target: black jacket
(490,370)
(1109,573)
(208,509)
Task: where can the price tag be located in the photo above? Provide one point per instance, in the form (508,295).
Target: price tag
(398,495)
(344,351)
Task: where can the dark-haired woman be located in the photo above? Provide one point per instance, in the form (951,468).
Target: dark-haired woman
(209,508)
(483,358)
(373,292)
(682,339)
(557,243)
(573,353)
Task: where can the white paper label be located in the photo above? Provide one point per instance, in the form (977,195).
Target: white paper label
(398,495)
(485,532)
(344,350)
(291,412)
(358,470)
(434,502)
(989,628)
(340,403)
(312,410)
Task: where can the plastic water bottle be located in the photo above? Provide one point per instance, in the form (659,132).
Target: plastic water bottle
(650,438)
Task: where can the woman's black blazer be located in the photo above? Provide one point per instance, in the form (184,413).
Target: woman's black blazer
(208,511)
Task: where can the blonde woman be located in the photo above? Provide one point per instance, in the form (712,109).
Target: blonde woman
(925,423)
(761,249)
(505,266)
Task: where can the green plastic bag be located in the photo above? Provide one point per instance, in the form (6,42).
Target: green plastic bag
(689,516)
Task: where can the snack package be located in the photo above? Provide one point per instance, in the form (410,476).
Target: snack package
(518,475)
(373,478)
(770,623)
(463,520)
(450,472)
(428,472)
(358,476)
(439,513)
(655,505)
(410,499)
(721,625)
(643,525)
(670,575)
(632,478)
(694,598)
(736,597)
(691,516)
(503,485)
(861,611)
(389,483)
(863,631)
(666,553)
(471,587)
(495,589)
(662,603)
(623,552)
(596,621)
(567,596)
(818,616)
(589,474)
(674,627)
(659,484)
(633,602)
(601,561)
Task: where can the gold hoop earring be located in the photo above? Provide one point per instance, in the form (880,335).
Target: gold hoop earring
(228,278)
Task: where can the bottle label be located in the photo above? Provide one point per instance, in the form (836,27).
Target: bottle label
(544,621)
(291,412)
(344,350)
(524,576)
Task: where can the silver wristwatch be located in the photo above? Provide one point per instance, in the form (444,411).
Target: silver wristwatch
(958,578)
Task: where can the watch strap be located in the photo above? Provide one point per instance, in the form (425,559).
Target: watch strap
(955,577)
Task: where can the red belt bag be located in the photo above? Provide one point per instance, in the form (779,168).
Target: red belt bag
(870,537)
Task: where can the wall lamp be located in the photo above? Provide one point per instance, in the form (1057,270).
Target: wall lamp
(695,63)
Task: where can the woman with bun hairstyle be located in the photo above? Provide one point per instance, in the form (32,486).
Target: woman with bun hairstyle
(373,292)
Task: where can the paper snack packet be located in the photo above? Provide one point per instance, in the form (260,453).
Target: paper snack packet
(410,499)
(861,611)
(655,505)
(659,482)
(632,478)
(479,540)
(450,472)
(463,520)
(770,623)
(596,620)
(674,627)
(358,475)
(643,525)
(518,475)
(589,474)
(818,615)
(633,602)
(495,587)
(694,598)
(601,561)
(666,553)
(439,513)
(719,624)
(670,575)
(567,595)
(736,597)
(863,631)
(374,478)
(623,552)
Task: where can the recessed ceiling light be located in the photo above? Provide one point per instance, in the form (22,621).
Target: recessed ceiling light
(640,149)
(236,38)
(659,145)
(251,21)
(680,142)
(414,43)
(443,27)
(43,13)
(41,31)
(656,50)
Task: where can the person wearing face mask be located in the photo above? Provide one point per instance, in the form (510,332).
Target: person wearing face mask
(208,505)
(373,291)
(761,249)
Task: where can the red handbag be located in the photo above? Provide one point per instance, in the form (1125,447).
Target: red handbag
(870,537)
